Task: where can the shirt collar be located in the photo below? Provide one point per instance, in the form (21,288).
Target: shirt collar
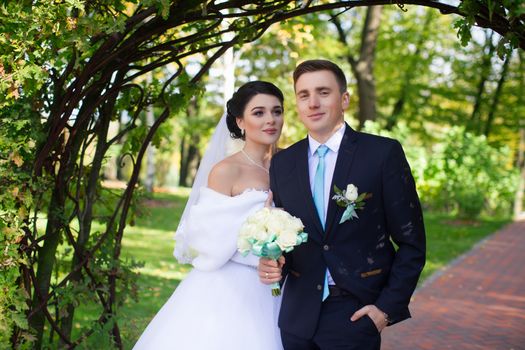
(333,143)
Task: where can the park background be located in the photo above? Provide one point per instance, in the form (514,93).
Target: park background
(107,108)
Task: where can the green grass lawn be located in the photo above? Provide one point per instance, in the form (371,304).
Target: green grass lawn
(151,241)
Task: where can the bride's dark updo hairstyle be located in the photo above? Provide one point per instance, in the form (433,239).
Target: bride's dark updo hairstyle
(236,105)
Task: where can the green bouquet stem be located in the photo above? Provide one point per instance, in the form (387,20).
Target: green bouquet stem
(276,289)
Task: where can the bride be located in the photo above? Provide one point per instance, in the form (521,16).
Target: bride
(221,304)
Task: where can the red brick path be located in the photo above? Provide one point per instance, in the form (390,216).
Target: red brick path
(477,303)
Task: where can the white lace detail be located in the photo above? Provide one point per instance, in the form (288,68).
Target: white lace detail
(252,189)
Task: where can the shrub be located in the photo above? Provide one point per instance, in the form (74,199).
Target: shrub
(460,172)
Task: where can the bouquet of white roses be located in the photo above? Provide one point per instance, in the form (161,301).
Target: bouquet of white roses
(268,233)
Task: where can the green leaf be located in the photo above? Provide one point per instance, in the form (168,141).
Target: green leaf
(361,197)
(20,320)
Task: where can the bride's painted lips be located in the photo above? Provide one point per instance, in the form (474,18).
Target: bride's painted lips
(270,131)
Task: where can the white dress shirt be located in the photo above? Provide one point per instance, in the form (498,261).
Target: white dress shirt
(333,144)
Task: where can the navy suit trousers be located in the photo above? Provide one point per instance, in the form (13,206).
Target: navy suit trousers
(353,335)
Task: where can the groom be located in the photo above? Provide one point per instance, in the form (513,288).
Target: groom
(349,280)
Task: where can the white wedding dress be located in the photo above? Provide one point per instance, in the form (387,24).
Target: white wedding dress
(221,304)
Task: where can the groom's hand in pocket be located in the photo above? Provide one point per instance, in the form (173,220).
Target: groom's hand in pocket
(270,271)
(377,316)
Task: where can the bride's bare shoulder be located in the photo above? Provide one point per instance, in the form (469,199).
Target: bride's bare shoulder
(223,175)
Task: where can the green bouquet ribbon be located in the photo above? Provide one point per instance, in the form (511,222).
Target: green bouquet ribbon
(270,249)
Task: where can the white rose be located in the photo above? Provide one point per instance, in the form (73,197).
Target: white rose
(274,225)
(249,230)
(243,245)
(351,192)
(259,217)
(274,214)
(261,235)
(296,224)
(287,239)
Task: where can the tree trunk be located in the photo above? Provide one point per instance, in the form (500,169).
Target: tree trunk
(150,155)
(46,255)
(149,180)
(497,94)
(520,162)
(188,146)
(409,75)
(363,67)
(188,156)
(486,68)
(518,198)
(230,59)
(183,171)
(189,152)
(46,262)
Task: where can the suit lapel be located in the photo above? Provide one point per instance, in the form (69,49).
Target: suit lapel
(345,157)
(304,184)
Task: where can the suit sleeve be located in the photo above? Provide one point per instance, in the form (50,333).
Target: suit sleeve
(405,224)
(278,204)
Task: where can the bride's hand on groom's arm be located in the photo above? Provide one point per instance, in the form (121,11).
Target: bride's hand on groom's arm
(270,271)
(269,201)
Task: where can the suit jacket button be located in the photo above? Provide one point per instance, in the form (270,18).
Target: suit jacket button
(319,287)
(326,247)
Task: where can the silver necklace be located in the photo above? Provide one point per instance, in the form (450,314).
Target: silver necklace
(254,162)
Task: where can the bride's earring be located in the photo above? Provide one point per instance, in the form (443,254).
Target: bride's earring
(243,133)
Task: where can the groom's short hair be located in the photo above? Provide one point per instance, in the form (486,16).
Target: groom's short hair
(317,65)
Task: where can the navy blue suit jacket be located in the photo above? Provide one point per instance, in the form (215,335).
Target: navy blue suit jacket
(359,253)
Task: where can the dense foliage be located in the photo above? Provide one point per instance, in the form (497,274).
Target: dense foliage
(459,172)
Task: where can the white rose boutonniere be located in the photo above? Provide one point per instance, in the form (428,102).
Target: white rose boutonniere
(351,192)
(351,200)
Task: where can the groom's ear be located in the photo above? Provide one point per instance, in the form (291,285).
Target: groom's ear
(345,101)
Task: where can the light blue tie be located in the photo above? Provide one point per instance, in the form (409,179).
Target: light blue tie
(319,199)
